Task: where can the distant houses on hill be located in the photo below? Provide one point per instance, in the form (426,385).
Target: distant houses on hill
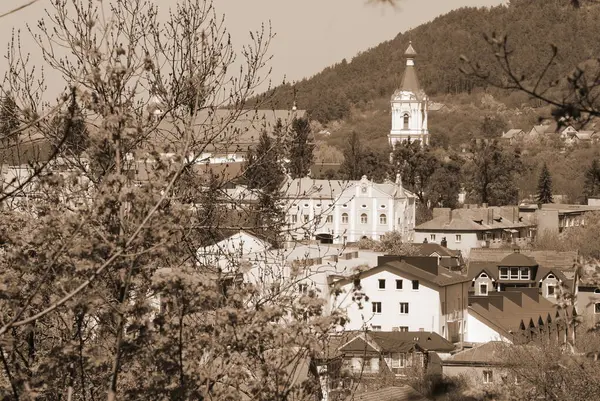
(568,135)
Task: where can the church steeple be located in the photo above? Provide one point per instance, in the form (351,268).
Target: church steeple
(410,82)
(409,106)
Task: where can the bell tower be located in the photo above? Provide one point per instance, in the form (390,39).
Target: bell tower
(409,106)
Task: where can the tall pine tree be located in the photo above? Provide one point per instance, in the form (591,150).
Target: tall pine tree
(301,149)
(545,186)
(352,167)
(264,174)
(264,170)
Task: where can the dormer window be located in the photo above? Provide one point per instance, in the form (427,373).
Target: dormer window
(524,273)
(405,121)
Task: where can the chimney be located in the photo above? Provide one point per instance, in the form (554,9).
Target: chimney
(484,205)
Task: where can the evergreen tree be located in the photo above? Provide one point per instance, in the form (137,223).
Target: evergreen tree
(9,116)
(352,167)
(264,174)
(301,149)
(77,137)
(592,180)
(545,186)
(264,169)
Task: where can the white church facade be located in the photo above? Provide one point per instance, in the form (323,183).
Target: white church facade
(346,211)
(409,106)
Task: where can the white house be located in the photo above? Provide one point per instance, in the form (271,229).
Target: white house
(405,293)
(346,211)
(409,105)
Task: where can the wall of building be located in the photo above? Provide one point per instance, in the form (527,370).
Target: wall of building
(549,280)
(464,243)
(547,221)
(474,375)
(479,332)
(483,280)
(586,306)
(424,304)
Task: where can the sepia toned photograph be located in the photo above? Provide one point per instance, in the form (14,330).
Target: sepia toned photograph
(318,200)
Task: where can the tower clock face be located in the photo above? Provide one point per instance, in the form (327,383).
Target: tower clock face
(364,190)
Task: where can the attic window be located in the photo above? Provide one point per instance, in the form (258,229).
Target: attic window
(550,276)
(483,275)
(499,219)
(480,222)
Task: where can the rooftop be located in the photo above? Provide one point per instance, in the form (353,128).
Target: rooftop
(424,268)
(474,219)
(403,393)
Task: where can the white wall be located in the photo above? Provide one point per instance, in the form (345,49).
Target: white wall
(424,304)
(479,332)
(467,240)
(353,202)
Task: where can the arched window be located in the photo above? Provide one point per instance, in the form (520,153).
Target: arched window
(364,219)
(405,125)
(382,219)
(344,218)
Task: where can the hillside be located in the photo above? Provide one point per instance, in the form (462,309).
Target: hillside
(355,95)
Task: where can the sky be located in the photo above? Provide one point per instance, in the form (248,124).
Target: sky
(310,34)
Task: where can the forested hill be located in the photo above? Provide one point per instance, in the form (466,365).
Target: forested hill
(371,76)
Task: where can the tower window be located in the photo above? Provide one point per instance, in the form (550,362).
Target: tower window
(405,124)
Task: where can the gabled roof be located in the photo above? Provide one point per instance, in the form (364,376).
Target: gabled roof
(488,353)
(307,187)
(563,272)
(512,133)
(441,277)
(475,219)
(548,259)
(403,393)
(428,249)
(507,311)
(428,341)
(584,135)
(542,129)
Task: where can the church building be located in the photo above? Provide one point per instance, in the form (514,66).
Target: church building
(409,106)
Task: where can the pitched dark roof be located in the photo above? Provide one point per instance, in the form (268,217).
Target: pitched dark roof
(442,278)
(549,259)
(507,311)
(428,341)
(474,219)
(358,344)
(404,393)
(488,353)
(410,82)
(558,263)
(517,259)
(427,249)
